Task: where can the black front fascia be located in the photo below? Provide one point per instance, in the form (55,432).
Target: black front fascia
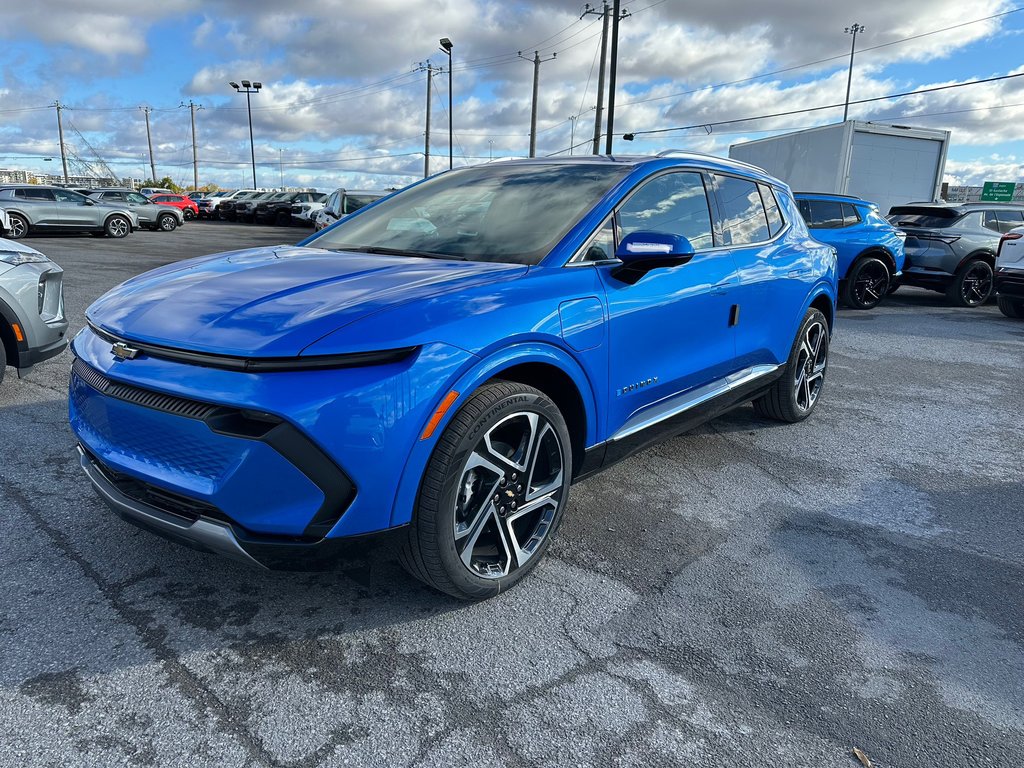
(293,444)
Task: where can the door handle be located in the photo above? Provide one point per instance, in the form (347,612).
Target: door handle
(719,290)
(799,272)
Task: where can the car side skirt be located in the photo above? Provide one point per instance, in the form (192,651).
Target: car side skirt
(680,414)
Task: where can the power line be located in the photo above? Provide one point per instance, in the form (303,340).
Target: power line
(934,89)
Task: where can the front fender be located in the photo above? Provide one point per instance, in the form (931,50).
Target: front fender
(468,380)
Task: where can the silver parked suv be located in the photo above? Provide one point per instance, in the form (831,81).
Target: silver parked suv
(32,323)
(952,248)
(37,208)
(151,215)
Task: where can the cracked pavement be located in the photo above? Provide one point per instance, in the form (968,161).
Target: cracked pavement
(746,594)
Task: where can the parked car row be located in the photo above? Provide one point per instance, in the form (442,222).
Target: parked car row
(952,249)
(258,206)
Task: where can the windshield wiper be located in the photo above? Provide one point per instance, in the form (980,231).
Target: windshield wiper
(397,252)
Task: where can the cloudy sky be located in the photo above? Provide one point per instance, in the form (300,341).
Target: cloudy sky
(344,96)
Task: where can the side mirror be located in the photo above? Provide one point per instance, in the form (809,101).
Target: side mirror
(89,201)
(640,252)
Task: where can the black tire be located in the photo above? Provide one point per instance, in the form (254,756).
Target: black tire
(284,219)
(788,400)
(3,361)
(451,490)
(167,222)
(1010,307)
(117,226)
(972,284)
(893,287)
(187,213)
(19,227)
(867,283)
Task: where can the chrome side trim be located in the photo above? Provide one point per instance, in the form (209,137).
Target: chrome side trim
(676,404)
(209,535)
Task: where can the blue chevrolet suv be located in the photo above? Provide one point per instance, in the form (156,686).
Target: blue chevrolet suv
(446,361)
(869,249)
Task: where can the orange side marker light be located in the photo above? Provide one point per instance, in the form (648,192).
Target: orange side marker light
(442,409)
(17,332)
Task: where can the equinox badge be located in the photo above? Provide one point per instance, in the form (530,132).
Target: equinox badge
(123,352)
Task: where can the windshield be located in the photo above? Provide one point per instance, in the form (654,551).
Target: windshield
(508,213)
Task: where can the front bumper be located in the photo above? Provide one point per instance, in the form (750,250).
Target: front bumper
(269,455)
(32,295)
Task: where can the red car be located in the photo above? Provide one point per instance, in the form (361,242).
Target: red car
(188,206)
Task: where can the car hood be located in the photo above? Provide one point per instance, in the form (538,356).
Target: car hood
(274,302)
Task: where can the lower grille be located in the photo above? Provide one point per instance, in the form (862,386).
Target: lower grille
(166,501)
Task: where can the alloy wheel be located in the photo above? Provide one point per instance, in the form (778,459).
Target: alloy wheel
(19,227)
(977,284)
(811,361)
(509,491)
(872,284)
(117,227)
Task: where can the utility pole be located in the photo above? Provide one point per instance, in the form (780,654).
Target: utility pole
(430,70)
(616,17)
(280,165)
(537,61)
(149,138)
(851,30)
(195,156)
(60,134)
(446,47)
(600,72)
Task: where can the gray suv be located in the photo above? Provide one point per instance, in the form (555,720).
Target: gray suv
(36,208)
(151,215)
(32,322)
(952,248)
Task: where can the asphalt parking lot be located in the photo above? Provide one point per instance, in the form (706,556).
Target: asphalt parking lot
(746,594)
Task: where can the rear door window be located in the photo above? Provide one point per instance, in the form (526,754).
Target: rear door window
(989,220)
(743,216)
(822,214)
(45,195)
(850,215)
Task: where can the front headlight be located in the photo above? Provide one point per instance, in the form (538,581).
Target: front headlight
(21,257)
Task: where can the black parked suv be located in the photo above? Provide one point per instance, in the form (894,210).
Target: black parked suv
(952,248)
(278,209)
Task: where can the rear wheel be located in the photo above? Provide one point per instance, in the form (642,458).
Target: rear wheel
(492,494)
(794,395)
(167,222)
(117,226)
(972,285)
(1010,307)
(284,218)
(867,283)
(19,226)
(188,214)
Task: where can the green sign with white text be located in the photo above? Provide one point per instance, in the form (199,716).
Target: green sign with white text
(997,191)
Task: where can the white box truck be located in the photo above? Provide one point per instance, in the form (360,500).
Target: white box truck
(884,164)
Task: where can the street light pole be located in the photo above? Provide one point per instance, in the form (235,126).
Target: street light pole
(851,30)
(249,88)
(446,47)
(572,131)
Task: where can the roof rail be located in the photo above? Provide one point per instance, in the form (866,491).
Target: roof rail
(830,194)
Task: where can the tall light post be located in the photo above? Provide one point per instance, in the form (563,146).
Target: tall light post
(572,131)
(446,47)
(249,88)
(851,30)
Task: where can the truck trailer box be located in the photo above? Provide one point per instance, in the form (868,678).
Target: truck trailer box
(884,164)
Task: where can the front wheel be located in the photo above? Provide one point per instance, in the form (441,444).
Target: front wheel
(794,395)
(117,226)
(867,283)
(19,226)
(168,223)
(1010,307)
(972,285)
(188,214)
(492,494)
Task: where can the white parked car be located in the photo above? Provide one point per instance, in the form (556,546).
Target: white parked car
(341,203)
(5,223)
(1009,277)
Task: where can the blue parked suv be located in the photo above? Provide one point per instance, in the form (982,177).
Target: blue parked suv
(446,361)
(869,248)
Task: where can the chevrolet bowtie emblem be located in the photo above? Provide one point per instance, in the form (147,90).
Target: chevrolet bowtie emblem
(123,352)
(510,494)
